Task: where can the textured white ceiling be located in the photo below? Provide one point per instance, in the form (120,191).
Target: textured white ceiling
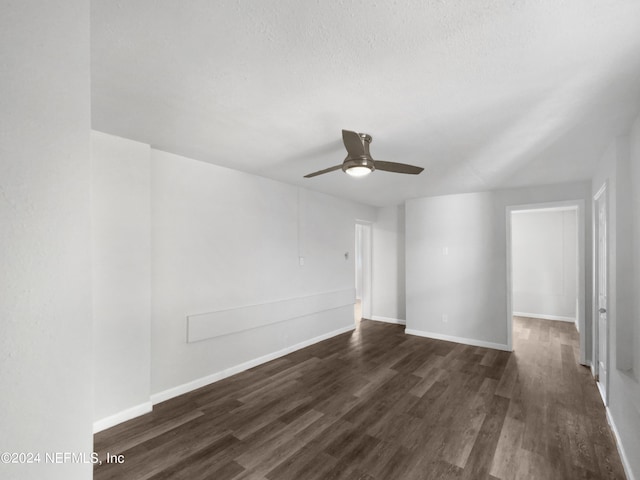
(487,94)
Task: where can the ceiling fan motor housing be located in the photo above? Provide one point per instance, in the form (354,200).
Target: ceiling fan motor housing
(362,161)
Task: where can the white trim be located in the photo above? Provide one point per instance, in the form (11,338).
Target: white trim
(595,320)
(123,416)
(465,341)
(378,318)
(204,326)
(601,190)
(581,302)
(602,392)
(509,275)
(539,208)
(623,455)
(146,407)
(545,317)
(214,377)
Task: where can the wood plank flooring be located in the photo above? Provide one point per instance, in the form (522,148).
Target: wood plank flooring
(377,404)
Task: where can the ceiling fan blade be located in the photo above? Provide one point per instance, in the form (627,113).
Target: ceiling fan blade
(397,167)
(326,170)
(353,143)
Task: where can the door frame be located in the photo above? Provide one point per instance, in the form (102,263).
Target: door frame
(581,310)
(367,263)
(603,192)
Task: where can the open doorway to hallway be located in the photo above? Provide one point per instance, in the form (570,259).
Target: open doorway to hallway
(363,250)
(546,279)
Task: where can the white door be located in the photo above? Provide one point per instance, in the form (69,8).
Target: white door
(602,333)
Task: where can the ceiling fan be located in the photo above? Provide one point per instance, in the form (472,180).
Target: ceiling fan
(359,162)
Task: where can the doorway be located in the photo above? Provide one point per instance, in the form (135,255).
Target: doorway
(363,249)
(545,265)
(600,276)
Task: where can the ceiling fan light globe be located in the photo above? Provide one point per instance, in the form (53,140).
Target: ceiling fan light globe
(358,171)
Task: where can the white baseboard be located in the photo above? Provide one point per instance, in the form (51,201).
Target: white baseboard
(122,416)
(398,321)
(133,412)
(201,382)
(623,454)
(450,338)
(545,317)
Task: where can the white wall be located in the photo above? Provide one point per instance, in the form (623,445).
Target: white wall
(222,239)
(121,214)
(616,166)
(46,403)
(178,238)
(454,268)
(469,283)
(389,265)
(544,263)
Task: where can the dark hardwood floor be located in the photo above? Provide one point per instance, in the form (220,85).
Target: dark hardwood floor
(377,404)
